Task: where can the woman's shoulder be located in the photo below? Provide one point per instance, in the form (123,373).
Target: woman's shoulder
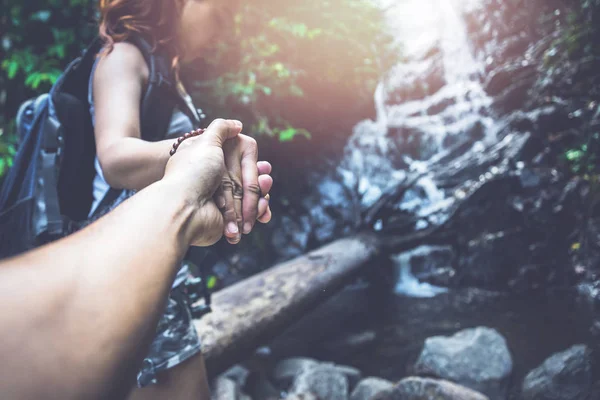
(124,59)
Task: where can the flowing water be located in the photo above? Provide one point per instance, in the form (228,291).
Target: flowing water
(413,130)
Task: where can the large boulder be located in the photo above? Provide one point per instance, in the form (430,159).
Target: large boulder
(414,388)
(225,389)
(352,374)
(301,396)
(564,376)
(477,358)
(238,373)
(369,387)
(286,371)
(325,381)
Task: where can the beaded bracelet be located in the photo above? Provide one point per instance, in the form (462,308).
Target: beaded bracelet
(188,135)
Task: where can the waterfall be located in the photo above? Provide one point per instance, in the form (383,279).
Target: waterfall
(413,131)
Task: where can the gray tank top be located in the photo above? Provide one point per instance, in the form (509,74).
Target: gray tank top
(180,124)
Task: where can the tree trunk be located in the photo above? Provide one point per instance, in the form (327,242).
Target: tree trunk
(250,313)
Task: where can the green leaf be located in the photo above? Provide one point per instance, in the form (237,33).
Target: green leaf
(574,155)
(12,69)
(211,282)
(287,134)
(290,132)
(42,15)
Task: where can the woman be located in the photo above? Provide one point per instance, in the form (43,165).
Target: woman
(182,29)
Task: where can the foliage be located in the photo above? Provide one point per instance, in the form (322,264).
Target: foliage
(38,39)
(8,149)
(581,31)
(580,42)
(585,158)
(41,37)
(291,68)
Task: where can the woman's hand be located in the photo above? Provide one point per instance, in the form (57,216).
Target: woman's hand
(243,194)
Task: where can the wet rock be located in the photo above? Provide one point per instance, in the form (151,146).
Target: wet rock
(331,213)
(429,389)
(225,389)
(369,387)
(301,396)
(286,371)
(492,259)
(351,341)
(434,266)
(325,381)
(352,374)
(563,376)
(290,236)
(238,374)
(415,80)
(511,85)
(261,388)
(477,358)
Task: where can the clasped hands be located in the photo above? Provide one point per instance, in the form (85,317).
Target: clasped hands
(219,175)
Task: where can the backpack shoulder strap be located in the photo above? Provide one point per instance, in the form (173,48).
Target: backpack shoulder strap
(70,83)
(161,94)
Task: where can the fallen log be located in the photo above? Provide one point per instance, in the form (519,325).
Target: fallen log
(252,312)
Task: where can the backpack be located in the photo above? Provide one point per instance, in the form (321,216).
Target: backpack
(47,193)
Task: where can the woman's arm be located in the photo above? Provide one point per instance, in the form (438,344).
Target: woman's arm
(127,161)
(131,163)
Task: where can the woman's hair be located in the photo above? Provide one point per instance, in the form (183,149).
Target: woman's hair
(155,20)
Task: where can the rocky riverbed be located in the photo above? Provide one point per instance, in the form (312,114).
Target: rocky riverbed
(489,342)
(472,364)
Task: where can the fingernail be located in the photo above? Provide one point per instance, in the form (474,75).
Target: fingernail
(247,227)
(232,227)
(238,124)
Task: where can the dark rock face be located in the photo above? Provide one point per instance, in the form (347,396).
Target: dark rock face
(429,389)
(565,376)
(477,358)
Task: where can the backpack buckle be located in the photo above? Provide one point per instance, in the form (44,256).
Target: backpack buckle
(52,135)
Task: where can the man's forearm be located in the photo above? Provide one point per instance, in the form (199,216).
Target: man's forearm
(113,283)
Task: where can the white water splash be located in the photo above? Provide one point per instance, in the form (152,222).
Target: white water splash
(407,284)
(423,28)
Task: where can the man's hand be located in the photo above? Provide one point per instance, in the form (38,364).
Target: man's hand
(203,166)
(134,251)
